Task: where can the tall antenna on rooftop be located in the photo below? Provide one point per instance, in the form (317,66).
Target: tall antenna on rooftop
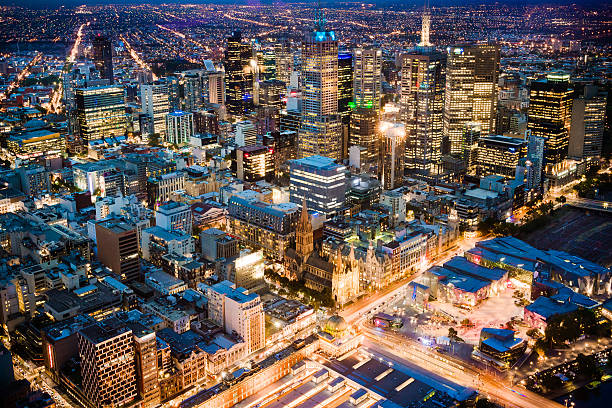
(320,18)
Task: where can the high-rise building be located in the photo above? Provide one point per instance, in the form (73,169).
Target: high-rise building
(100,112)
(254,163)
(392,154)
(145,359)
(367,83)
(321,127)
(499,155)
(425,25)
(179,127)
(422,108)
(588,122)
(364,132)
(535,157)
(284,59)
(471,135)
(345,95)
(246,134)
(107,363)
(550,114)
(192,90)
(103,57)
(237,311)
(155,103)
(238,75)
(216,88)
(320,181)
(472,73)
(117,243)
(284,145)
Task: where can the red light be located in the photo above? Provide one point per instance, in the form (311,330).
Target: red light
(271,150)
(246,155)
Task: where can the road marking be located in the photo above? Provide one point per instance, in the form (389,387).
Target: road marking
(383,375)
(404,384)
(362,362)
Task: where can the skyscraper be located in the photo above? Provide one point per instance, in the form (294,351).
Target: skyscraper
(283,59)
(345,96)
(364,132)
(155,103)
(321,128)
(100,112)
(192,90)
(392,154)
(179,127)
(422,107)
(472,73)
(103,57)
(588,122)
(367,84)
(238,75)
(550,114)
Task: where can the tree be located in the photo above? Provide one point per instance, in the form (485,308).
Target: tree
(587,366)
(154,139)
(452,333)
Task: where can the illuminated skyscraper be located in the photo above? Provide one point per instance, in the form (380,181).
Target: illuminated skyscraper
(550,114)
(155,103)
(321,128)
(364,132)
(422,107)
(588,122)
(425,24)
(393,146)
(368,77)
(238,75)
(283,59)
(179,127)
(471,91)
(103,57)
(100,112)
(345,96)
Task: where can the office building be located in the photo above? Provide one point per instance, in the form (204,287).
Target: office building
(320,181)
(345,85)
(392,152)
(472,73)
(283,57)
(107,363)
(37,143)
(367,83)
(34,180)
(271,94)
(218,244)
(254,163)
(284,145)
(269,226)
(174,217)
(550,114)
(246,134)
(588,122)
(155,103)
(117,243)
(471,135)
(100,112)
(364,133)
(161,187)
(238,75)
(499,155)
(238,311)
(215,94)
(422,108)
(103,57)
(179,127)
(192,90)
(321,126)
(145,360)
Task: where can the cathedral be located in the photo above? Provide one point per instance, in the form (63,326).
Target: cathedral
(339,273)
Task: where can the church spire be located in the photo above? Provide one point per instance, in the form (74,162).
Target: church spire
(425,26)
(303,235)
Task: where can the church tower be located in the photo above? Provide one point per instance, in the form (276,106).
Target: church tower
(303,235)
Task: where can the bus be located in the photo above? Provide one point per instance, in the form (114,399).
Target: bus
(386,321)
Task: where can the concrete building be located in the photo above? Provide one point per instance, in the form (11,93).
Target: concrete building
(367,82)
(155,103)
(100,112)
(246,134)
(254,163)
(588,122)
(320,181)
(174,217)
(236,310)
(179,127)
(117,243)
(108,367)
